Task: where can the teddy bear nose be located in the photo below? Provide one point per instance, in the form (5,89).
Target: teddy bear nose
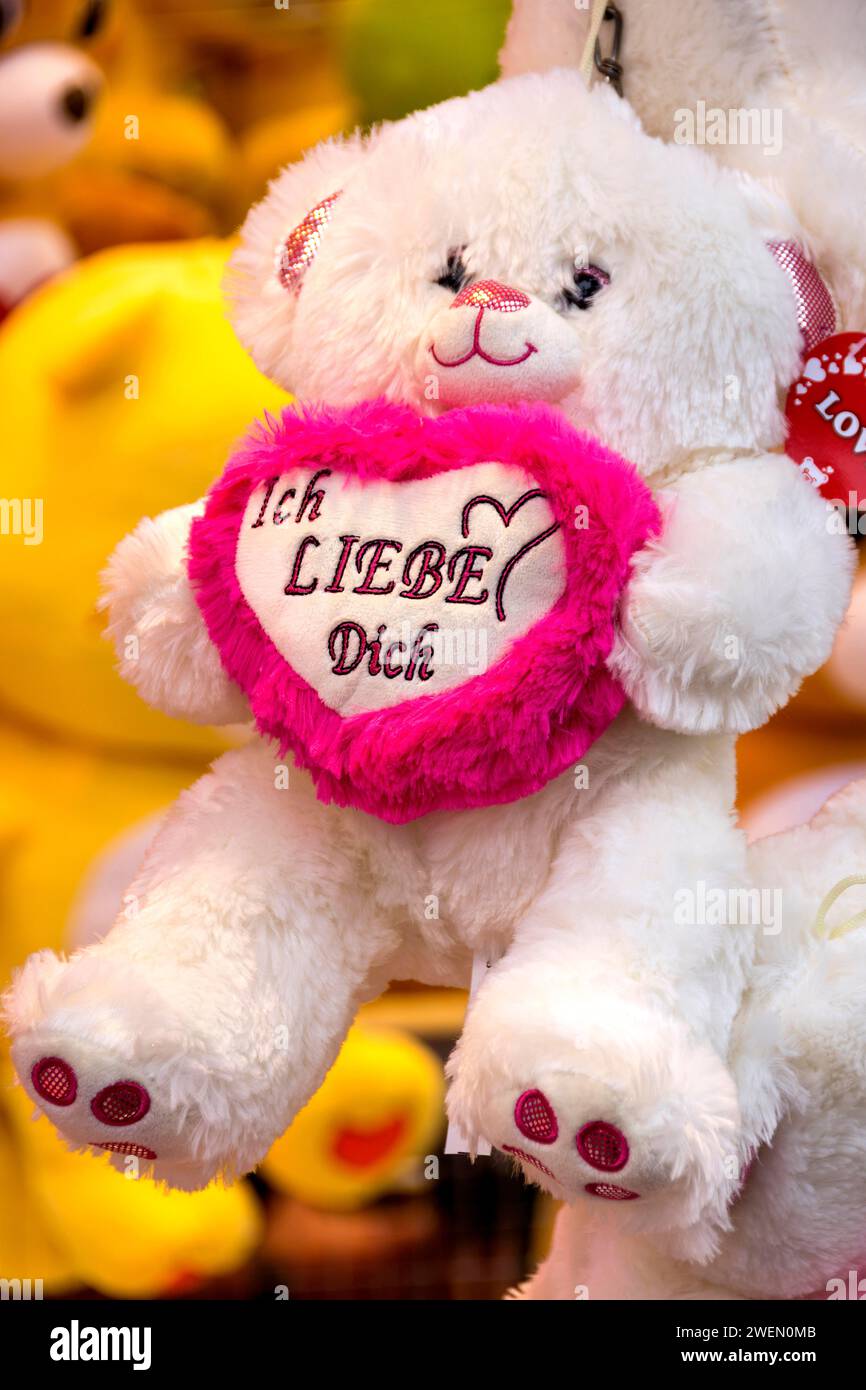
(490,294)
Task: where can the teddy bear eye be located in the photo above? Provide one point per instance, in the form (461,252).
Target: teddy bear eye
(454,275)
(588,280)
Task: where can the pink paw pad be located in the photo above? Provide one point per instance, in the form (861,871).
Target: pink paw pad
(126,1148)
(535,1117)
(610,1192)
(528,1158)
(603,1146)
(121,1103)
(54,1080)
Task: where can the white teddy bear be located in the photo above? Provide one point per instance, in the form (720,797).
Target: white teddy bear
(600,1050)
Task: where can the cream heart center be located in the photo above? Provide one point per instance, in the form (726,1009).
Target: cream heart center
(375,592)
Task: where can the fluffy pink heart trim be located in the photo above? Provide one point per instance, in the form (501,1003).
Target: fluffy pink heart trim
(499,735)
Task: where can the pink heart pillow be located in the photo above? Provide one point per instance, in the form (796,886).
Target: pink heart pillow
(421,609)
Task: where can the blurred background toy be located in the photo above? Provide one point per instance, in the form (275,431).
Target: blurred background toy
(50,80)
(269,72)
(121,386)
(161,163)
(400,58)
(284,77)
(379,1108)
(101,141)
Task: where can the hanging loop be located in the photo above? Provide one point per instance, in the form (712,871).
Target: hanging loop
(821,929)
(609,65)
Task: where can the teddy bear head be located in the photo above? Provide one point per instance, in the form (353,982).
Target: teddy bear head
(527,242)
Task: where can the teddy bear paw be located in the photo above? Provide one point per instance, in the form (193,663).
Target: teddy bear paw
(600,1144)
(103,1057)
(97,1099)
(603,1157)
(651,1120)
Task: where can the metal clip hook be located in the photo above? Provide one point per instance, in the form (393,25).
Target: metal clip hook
(610,67)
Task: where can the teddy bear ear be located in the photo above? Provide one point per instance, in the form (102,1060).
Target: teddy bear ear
(279,243)
(817,311)
(788,243)
(297,252)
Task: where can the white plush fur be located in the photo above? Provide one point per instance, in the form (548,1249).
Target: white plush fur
(266,917)
(797,1225)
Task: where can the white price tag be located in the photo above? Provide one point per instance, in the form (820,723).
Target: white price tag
(456,1142)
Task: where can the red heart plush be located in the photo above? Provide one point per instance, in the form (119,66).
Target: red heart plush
(826,410)
(421,609)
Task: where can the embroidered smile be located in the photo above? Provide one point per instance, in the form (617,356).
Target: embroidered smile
(477,350)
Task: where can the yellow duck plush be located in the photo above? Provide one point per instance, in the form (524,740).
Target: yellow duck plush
(121,388)
(372,1121)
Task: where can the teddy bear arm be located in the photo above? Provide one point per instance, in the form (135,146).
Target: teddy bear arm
(162,645)
(736,602)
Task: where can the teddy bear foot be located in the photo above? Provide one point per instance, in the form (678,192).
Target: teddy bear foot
(109,1060)
(602,1102)
(95,1097)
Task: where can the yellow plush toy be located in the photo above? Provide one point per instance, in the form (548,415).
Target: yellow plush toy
(122,388)
(375,1116)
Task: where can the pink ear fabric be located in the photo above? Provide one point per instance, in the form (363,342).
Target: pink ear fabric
(296,254)
(816,309)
